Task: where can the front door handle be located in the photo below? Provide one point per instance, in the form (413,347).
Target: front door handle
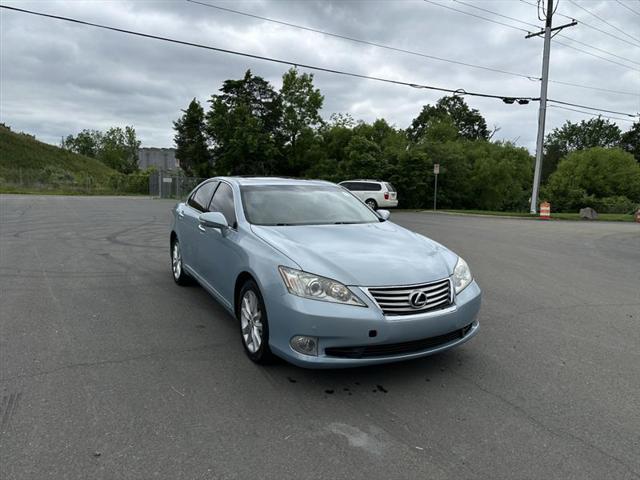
(201,228)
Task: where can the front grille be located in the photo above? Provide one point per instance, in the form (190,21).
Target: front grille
(396,300)
(390,349)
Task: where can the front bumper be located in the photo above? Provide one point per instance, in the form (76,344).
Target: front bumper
(347,326)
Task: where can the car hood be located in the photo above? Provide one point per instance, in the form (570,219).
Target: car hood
(372,254)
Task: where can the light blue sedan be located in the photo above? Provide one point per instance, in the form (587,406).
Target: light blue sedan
(316,277)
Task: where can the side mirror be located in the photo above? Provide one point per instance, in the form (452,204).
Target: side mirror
(213,220)
(384,214)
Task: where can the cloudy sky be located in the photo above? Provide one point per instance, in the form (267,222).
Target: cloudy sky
(58,78)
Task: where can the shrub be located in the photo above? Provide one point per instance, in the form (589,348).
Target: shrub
(606,179)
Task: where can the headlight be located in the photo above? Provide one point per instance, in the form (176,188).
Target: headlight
(307,285)
(461,275)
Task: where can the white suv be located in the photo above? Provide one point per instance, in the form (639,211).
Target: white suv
(375,193)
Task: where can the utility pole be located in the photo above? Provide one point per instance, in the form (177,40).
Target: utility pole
(543,97)
(436,171)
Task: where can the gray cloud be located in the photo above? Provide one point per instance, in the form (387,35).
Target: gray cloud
(58,78)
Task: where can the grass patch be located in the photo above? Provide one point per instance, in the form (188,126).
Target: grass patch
(606,217)
(25,160)
(28,166)
(19,190)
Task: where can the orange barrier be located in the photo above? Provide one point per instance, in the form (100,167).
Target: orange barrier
(545,210)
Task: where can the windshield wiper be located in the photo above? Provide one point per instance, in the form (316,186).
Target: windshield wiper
(346,223)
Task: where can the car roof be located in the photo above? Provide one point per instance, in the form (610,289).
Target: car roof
(364,180)
(273,181)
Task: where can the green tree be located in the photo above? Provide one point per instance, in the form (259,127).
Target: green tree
(87,142)
(119,149)
(243,124)
(453,111)
(301,104)
(593,177)
(327,155)
(255,130)
(192,150)
(595,132)
(363,159)
(630,141)
(500,176)
(131,147)
(413,178)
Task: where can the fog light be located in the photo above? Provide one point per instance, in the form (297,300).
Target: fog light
(305,345)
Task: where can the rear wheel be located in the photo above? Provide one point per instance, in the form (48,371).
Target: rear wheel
(372,204)
(179,275)
(254,325)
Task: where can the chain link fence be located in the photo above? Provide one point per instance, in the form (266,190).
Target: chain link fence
(170,184)
(57,180)
(157,184)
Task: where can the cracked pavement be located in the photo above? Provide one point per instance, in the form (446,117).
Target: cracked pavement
(110,371)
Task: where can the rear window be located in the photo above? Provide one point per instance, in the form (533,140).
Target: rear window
(390,187)
(363,186)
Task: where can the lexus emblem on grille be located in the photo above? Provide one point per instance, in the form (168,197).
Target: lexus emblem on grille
(418,299)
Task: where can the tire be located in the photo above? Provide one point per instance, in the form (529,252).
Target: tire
(177,268)
(254,326)
(371,203)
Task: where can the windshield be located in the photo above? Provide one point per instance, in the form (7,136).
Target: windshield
(303,205)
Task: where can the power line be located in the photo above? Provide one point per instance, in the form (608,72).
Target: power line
(365,42)
(496,13)
(604,21)
(599,49)
(560,82)
(592,114)
(506,98)
(595,55)
(458,91)
(583,23)
(592,108)
(477,16)
(628,7)
(396,49)
(563,36)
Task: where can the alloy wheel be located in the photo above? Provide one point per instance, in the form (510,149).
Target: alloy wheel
(251,321)
(176,260)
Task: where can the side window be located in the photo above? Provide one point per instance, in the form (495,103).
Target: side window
(201,197)
(347,185)
(373,187)
(357,186)
(223,202)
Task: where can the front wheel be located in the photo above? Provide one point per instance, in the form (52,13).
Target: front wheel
(254,325)
(179,275)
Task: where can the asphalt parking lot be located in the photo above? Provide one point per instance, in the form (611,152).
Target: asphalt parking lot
(108,370)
